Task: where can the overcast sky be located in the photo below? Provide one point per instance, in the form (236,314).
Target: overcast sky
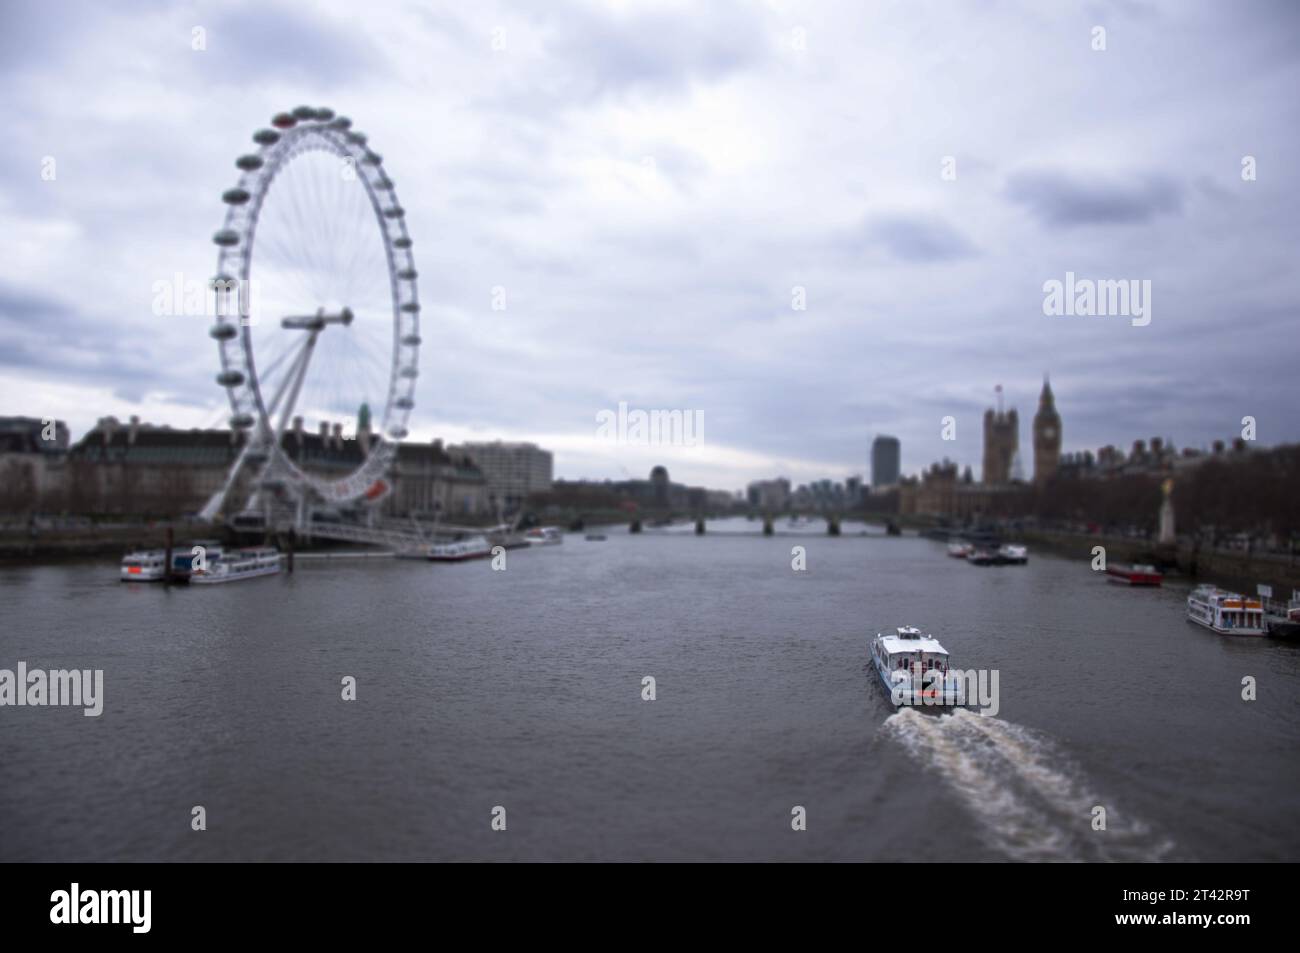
(648,183)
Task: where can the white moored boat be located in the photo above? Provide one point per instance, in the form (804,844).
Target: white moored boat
(471,547)
(148,565)
(959,549)
(451,551)
(1228,613)
(913,667)
(236,564)
(1013,554)
(544,536)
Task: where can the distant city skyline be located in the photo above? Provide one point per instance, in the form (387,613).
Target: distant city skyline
(740,211)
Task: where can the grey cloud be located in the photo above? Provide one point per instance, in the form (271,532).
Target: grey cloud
(1068,199)
(518,169)
(593,53)
(612,50)
(918,238)
(42,333)
(259,41)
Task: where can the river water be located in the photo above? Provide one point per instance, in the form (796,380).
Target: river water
(522,689)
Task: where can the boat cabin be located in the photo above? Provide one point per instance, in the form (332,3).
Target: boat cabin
(910,650)
(1225,611)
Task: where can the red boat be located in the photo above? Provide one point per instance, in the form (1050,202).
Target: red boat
(1134,575)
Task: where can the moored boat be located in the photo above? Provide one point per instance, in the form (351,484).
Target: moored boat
(234,565)
(1012,554)
(959,549)
(979,556)
(194,556)
(1228,613)
(146,565)
(507,539)
(1285,626)
(544,536)
(459,550)
(913,667)
(1134,574)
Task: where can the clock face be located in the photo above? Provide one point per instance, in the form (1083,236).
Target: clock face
(1049,433)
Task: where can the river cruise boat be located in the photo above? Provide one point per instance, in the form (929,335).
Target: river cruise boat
(1228,613)
(979,556)
(233,565)
(185,560)
(959,549)
(1135,574)
(1012,554)
(913,667)
(545,536)
(146,565)
(459,550)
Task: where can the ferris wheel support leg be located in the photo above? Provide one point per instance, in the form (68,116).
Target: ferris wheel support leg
(218,499)
(295,380)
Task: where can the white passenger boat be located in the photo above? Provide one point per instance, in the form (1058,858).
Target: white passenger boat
(913,667)
(544,536)
(959,549)
(458,550)
(236,564)
(147,565)
(1013,554)
(188,558)
(1228,613)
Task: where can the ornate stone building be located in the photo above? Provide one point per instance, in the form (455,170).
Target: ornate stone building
(142,470)
(1047,437)
(1001,443)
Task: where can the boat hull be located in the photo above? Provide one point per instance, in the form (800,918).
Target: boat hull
(923,697)
(456,557)
(212,579)
(144,575)
(1130,578)
(1239,630)
(1284,629)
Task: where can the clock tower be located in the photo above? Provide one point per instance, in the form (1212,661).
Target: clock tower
(1047,436)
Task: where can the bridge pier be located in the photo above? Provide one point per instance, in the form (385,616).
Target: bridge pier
(634,526)
(699,527)
(832,526)
(767,526)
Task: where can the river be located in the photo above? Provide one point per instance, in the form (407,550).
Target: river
(523,690)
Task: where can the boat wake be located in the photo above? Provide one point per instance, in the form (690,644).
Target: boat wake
(1032,806)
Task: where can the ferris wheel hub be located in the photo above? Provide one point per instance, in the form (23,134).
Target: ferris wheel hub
(317,321)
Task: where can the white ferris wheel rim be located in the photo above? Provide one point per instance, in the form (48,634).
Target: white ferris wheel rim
(304,130)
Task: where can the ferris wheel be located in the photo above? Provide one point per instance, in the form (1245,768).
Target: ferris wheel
(317,315)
